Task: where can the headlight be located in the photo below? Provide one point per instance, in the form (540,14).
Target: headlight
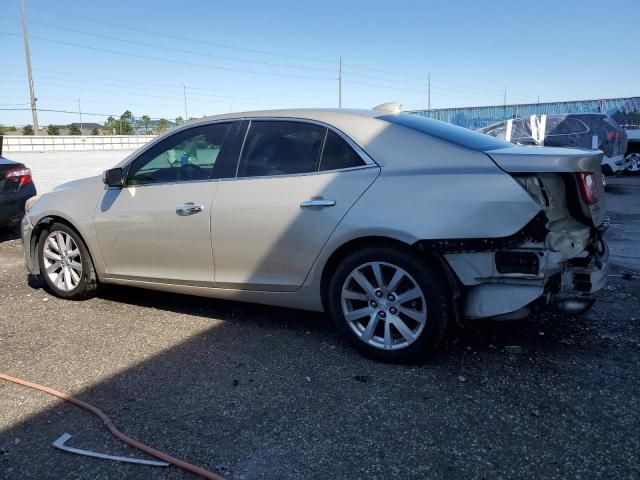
(31,202)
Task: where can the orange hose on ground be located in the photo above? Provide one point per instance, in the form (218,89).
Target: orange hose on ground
(109,424)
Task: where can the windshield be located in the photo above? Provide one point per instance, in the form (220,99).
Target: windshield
(447,132)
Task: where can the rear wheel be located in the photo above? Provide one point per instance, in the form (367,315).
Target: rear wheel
(65,264)
(391,305)
(632,162)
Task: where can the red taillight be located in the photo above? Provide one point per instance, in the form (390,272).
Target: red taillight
(589,188)
(613,134)
(22,174)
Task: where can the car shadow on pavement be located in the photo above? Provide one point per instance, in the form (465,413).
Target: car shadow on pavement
(266,392)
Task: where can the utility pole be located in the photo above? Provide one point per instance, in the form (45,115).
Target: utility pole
(505,96)
(340,83)
(184,91)
(25,35)
(80,112)
(429,93)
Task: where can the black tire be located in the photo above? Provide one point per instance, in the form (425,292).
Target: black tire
(87,285)
(632,169)
(428,278)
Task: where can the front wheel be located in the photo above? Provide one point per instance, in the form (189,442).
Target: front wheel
(65,264)
(392,305)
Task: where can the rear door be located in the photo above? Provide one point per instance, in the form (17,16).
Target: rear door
(296,180)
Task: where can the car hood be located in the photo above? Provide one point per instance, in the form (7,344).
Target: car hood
(97,180)
(518,159)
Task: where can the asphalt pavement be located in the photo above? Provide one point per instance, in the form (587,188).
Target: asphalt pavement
(254,392)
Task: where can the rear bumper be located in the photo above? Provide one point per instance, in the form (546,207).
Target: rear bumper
(497,286)
(12,204)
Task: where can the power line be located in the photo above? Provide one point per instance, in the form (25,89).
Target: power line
(129,83)
(264,52)
(164,60)
(173,49)
(186,39)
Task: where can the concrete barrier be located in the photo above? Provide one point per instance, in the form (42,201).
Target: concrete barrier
(47,143)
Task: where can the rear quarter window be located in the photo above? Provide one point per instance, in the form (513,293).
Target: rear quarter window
(453,134)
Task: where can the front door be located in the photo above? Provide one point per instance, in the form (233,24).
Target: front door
(295,182)
(158,227)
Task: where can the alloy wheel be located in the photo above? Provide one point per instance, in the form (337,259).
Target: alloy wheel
(384,305)
(62,261)
(633,162)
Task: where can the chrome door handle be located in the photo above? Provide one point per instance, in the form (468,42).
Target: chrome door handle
(189,209)
(318,203)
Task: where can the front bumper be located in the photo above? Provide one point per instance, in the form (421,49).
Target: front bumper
(613,165)
(26,234)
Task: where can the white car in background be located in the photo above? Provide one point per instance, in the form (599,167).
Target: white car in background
(589,131)
(632,156)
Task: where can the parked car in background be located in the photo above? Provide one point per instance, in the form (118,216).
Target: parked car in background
(393,224)
(632,155)
(16,187)
(576,130)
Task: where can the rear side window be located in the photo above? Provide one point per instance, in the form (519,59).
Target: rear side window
(460,136)
(280,148)
(565,126)
(498,130)
(337,154)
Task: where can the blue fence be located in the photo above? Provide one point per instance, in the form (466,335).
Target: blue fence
(626,111)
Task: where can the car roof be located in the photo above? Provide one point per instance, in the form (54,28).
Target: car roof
(318,114)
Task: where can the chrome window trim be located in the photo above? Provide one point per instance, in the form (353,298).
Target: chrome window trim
(364,155)
(304,174)
(369,162)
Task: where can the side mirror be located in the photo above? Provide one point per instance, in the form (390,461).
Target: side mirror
(113,177)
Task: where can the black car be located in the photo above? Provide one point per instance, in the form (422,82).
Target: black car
(591,131)
(16,187)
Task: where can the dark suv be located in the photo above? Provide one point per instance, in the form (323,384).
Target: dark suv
(591,131)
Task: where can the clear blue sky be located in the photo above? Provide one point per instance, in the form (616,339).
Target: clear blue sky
(560,50)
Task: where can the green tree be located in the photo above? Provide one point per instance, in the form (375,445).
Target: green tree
(162,125)
(110,126)
(53,130)
(74,129)
(27,130)
(124,127)
(94,131)
(145,121)
(179,120)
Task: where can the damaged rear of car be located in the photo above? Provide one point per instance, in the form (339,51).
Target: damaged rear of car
(512,225)
(559,257)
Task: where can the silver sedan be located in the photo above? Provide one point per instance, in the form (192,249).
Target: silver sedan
(393,224)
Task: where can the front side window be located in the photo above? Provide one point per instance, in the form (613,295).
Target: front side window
(187,155)
(280,148)
(337,154)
